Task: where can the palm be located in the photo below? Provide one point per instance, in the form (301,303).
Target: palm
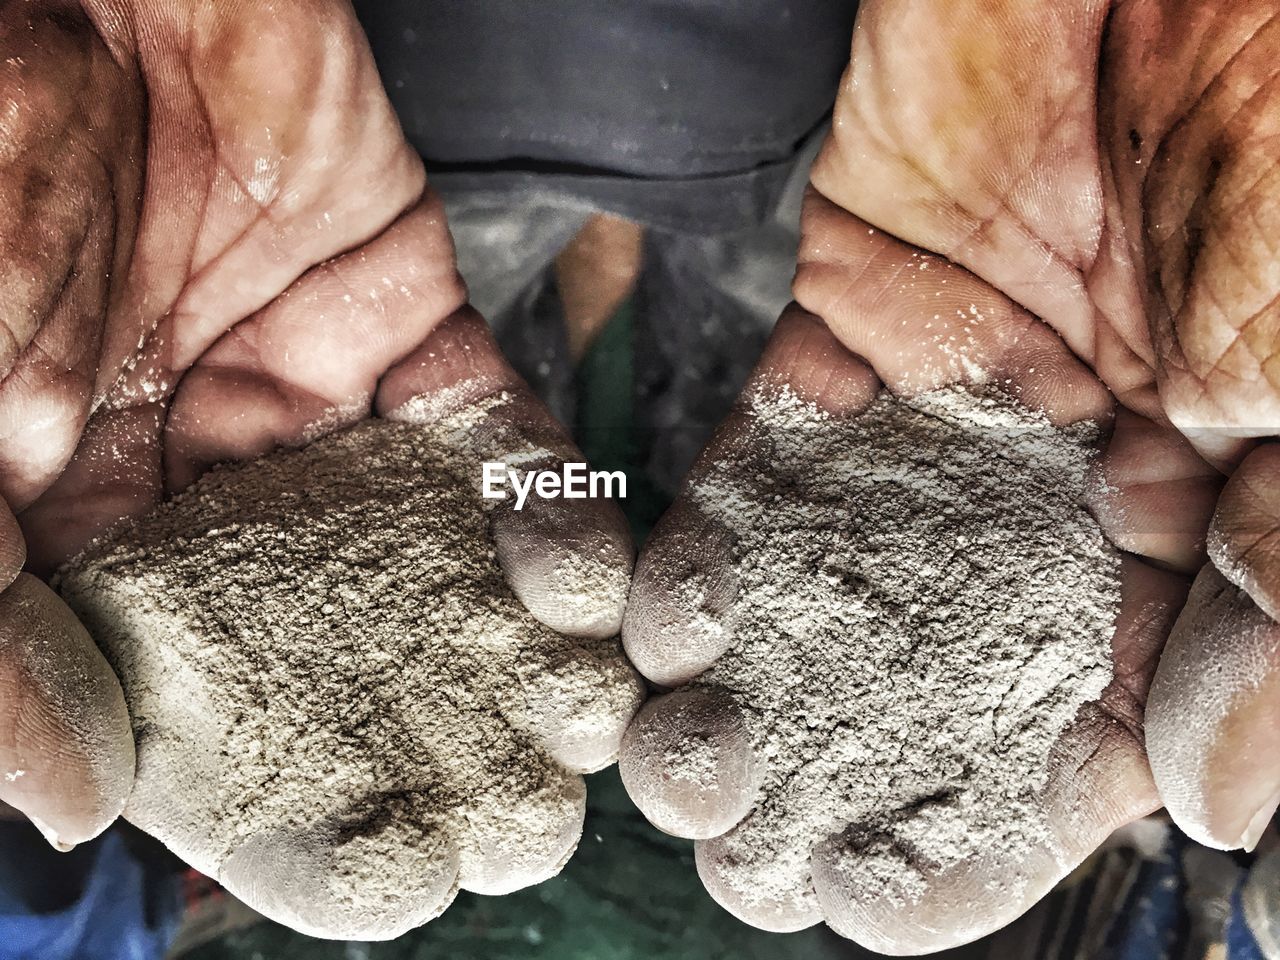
(1089,160)
(239,153)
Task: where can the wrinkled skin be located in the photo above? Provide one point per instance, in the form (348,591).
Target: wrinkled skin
(1080,200)
(201,202)
(214,240)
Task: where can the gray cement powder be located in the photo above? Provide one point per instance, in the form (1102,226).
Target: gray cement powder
(341,709)
(924,603)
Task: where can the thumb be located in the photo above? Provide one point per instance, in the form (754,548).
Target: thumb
(66,748)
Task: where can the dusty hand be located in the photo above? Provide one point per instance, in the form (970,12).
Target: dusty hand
(1085,215)
(215,241)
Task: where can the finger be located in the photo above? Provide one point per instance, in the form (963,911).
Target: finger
(1214,716)
(769,890)
(312,879)
(514,823)
(1244,540)
(1154,495)
(545,801)
(688,763)
(677,620)
(66,746)
(958,904)
(499,861)
(923,322)
(1099,777)
(568,560)
(1098,780)
(310,361)
(577,698)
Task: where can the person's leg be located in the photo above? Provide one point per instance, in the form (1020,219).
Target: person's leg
(595,274)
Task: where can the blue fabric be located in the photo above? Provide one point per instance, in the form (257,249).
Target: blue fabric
(119,916)
(1146,926)
(1240,942)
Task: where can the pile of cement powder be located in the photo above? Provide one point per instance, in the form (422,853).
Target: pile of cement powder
(924,604)
(341,710)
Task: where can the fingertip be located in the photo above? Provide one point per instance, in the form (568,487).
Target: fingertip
(1244,537)
(1214,715)
(948,908)
(676,621)
(688,763)
(577,702)
(757,893)
(568,559)
(550,810)
(316,881)
(568,562)
(68,749)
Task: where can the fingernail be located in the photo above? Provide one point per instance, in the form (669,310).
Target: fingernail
(1258,825)
(51,835)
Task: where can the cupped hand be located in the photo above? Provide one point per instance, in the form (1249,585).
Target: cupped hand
(1077,203)
(215,241)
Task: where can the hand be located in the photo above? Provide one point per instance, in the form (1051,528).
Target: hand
(215,241)
(1082,192)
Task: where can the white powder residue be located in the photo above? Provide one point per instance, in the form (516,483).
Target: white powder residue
(924,605)
(341,709)
(466,427)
